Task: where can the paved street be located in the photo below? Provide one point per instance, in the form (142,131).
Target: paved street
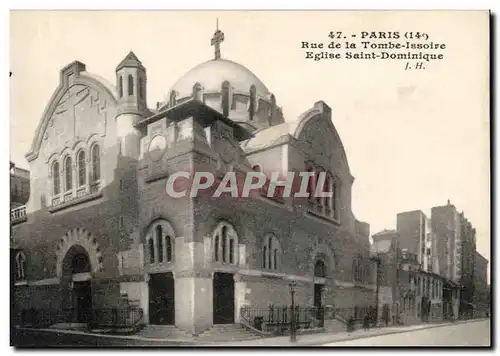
(462,334)
(40,339)
(466,333)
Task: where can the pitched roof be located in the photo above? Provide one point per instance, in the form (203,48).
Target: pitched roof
(130,61)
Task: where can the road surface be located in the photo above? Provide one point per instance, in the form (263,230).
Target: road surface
(43,339)
(463,334)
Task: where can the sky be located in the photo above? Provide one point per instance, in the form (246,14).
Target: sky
(413,139)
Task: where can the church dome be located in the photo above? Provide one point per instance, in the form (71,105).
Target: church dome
(229,88)
(211,74)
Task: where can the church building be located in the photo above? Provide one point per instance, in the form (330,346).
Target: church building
(99,230)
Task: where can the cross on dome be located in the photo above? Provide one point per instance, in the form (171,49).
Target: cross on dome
(217,39)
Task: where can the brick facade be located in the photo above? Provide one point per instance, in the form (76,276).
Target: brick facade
(117,223)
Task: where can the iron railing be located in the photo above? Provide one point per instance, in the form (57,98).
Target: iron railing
(278,319)
(114,318)
(18,214)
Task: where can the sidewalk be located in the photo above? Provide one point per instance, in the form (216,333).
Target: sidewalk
(283,341)
(325,338)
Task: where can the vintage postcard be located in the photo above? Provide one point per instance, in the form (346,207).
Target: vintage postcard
(250,178)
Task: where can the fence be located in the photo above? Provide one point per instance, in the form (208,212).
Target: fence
(110,318)
(278,319)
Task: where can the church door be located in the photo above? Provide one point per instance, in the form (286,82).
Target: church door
(83,300)
(223,298)
(161,299)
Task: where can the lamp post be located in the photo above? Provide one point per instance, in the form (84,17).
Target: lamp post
(377,261)
(293,336)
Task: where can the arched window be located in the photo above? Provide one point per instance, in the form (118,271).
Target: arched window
(335,207)
(56,178)
(151,251)
(273,107)
(311,181)
(252,105)
(226,99)
(96,163)
(120,86)
(20,266)
(225,244)
(231,251)
(216,247)
(271,254)
(141,88)
(197,92)
(172,99)
(316,186)
(169,248)
(326,188)
(130,85)
(82,171)
(159,243)
(319,269)
(68,172)
(271,251)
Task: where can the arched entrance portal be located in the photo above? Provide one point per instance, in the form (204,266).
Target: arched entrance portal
(319,283)
(76,270)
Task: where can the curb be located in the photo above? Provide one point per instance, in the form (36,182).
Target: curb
(127,337)
(391,332)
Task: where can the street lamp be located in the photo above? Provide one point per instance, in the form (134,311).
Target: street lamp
(293,336)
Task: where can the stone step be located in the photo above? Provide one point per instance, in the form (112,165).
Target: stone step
(334,326)
(164,332)
(227,332)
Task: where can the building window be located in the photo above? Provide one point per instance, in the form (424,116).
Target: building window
(197,92)
(68,173)
(320,269)
(358,269)
(120,86)
(226,98)
(252,105)
(151,251)
(82,171)
(271,251)
(225,244)
(130,85)
(141,89)
(231,251)
(169,248)
(56,178)
(96,163)
(216,247)
(335,197)
(311,181)
(327,188)
(161,242)
(20,266)
(272,113)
